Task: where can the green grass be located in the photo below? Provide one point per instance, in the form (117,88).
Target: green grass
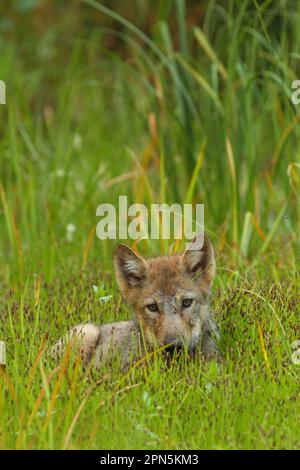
(206,119)
(251,400)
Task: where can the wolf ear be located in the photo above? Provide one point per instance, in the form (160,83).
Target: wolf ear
(199,259)
(130,268)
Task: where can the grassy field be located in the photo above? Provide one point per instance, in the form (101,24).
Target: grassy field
(183,113)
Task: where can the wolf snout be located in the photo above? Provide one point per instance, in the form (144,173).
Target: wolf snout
(173,343)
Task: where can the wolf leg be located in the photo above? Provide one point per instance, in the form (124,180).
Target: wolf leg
(84,340)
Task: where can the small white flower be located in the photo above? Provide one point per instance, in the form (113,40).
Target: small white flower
(70,230)
(77,141)
(60,173)
(208,387)
(105,298)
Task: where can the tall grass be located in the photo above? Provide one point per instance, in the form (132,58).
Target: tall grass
(168,100)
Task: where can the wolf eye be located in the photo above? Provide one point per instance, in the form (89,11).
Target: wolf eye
(187,303)
(152,307)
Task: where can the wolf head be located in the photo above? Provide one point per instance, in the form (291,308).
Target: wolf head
(169,294)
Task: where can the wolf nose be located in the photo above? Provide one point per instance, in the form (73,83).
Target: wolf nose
(172,343)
